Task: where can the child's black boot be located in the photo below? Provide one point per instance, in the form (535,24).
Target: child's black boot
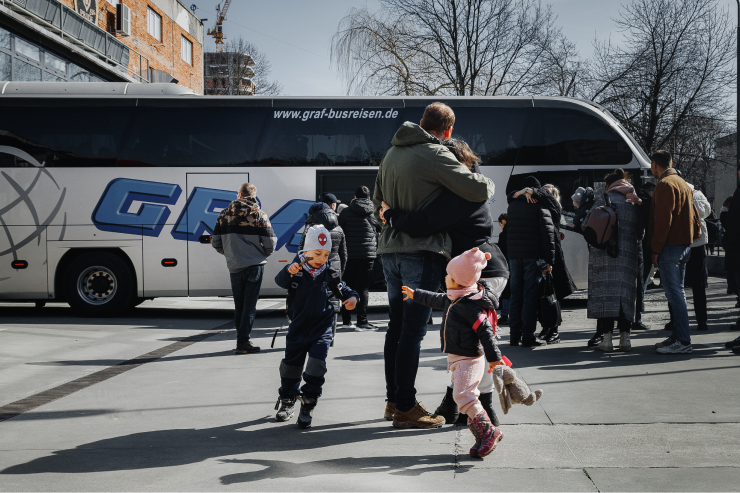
(305,415)
(448,408)
(486,400)
(284,407)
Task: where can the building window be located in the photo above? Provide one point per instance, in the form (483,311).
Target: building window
(21,60)
(154,24)
(186,50)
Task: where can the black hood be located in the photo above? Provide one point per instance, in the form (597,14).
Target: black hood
(327,217)
(362,207)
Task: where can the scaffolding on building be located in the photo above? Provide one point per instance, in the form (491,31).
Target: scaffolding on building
(228,74)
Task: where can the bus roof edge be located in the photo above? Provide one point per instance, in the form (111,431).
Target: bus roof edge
(94,89)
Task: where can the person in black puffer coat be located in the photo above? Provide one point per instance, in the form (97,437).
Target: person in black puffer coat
(469,225)
(530,237)
(548,197)
(361,231)
(320,213)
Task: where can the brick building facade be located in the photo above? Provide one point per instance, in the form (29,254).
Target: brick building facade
(163,41)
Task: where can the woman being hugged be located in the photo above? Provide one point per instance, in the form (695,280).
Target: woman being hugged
(613,282)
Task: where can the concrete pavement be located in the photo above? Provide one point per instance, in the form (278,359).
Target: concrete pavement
(202,418)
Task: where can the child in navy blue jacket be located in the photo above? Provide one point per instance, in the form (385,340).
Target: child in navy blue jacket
(310,281)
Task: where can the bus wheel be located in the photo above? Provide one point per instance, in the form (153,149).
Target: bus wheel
(98,284)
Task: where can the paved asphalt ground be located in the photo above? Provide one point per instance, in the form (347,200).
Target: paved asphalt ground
(201,418)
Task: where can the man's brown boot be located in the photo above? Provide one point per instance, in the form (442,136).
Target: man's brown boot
(390,409)
(417,417)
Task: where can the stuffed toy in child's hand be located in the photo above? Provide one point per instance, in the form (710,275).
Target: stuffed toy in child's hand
(512,390)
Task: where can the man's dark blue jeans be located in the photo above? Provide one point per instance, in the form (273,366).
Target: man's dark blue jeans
(524,277)
(408,320)
(245,286)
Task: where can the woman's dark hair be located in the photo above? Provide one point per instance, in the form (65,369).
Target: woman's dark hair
(727,201)
(462,152)
(502,217)
(617,174)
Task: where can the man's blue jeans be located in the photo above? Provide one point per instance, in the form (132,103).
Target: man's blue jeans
(672,264)
(525,277)
(505,307)
(408,321)
(245,286)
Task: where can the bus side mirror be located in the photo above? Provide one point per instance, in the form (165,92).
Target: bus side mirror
(205,239)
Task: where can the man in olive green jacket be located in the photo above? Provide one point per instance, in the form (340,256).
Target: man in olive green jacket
(412,174)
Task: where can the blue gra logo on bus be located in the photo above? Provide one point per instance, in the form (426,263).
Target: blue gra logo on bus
(197,217)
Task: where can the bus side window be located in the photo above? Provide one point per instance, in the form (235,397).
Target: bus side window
(559,136)
(61,136)
(327,137)
(494,133)
(192,136)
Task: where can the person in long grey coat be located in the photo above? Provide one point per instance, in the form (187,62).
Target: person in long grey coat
(613,282)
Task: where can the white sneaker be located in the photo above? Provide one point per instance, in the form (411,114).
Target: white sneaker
(624,342)
(347,327)
(667,342)
(675,348)
(606,344)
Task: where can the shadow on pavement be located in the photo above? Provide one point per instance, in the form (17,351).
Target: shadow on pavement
(396,465)
(176,447)
(53,315)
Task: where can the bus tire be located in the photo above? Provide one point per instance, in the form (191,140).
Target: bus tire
(98,284)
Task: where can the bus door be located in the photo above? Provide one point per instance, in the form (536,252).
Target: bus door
(208,194)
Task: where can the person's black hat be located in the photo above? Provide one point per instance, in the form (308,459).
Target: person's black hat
(532,182)
(330,198)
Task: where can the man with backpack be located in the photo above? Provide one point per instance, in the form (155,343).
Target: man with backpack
(672,229)
(530,243)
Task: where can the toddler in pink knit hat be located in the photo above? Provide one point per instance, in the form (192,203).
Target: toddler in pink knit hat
(468,336)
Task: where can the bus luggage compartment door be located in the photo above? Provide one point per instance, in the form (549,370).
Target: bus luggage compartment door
(208,194)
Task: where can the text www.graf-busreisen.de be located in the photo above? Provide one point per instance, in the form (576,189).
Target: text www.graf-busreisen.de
(337,114)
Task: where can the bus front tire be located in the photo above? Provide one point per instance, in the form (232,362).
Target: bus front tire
(98,284)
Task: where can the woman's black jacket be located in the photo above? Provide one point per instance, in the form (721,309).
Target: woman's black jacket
(457,335)
(561,278)
(360,229)
(469,225)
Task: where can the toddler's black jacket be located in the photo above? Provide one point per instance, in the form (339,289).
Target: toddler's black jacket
(457,334)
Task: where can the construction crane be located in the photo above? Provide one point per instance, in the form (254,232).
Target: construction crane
(217,32)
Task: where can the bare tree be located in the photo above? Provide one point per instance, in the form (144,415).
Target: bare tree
(377,54)
(456,47)
(671,79)
(264,86)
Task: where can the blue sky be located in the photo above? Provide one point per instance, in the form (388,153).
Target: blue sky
(296,34)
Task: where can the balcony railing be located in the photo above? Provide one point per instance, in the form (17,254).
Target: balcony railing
(77,29)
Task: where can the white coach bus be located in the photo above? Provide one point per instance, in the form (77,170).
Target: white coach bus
(105,188)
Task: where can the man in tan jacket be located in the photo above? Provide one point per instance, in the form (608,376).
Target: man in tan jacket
(672,230)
